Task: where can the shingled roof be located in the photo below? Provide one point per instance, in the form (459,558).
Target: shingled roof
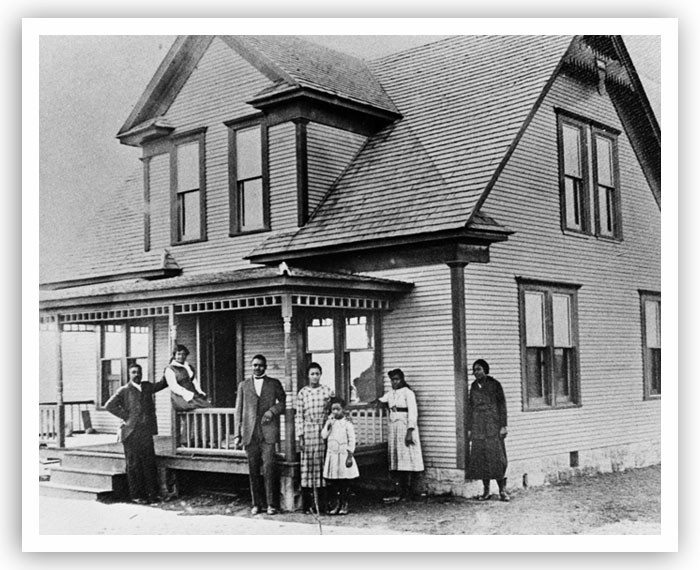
(464,101)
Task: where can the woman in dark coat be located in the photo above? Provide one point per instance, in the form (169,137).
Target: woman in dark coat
(487,421)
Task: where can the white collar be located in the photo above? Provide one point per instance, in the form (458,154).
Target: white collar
(135,385)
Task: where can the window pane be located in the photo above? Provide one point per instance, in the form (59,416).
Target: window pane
(534,319)
(138,340)
(563,373)
(327,362)
(363,385)
(572,198)
(251,204)
(319,336)
(112,347)
(115,368)
(655,366)
(248,154)
(358,332)
(572,150)
(190,212)
(561,317)
(188,166)
(605,211)
(535,373)
(652,312)
(604,160)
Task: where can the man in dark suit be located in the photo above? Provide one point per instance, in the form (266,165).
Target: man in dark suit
(134,404)
(260,402)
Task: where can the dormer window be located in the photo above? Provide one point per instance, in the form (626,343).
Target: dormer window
(249,195)
(188,203)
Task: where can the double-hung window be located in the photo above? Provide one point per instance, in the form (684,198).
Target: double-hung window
(344,346)
(549,345)
(188,206)
(589,178)
(249,200)
(651,343)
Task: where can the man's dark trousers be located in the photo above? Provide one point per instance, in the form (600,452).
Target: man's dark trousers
(261,454)
(141,471)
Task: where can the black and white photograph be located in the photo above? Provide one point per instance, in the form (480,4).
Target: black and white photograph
(329,281)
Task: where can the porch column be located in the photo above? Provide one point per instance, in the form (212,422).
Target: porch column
(172,339)
(60,406)
(290,444)
(460,364)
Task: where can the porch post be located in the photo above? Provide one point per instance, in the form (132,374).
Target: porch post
(172,338)
(60,406)
(288,495)
(460,365)
(290,444)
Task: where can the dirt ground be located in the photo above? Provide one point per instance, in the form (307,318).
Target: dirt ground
(627,502)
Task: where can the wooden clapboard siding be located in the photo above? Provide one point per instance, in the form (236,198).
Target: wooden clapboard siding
(228,81)
(526,199)
(329,151)
(283,176)
(79,352)
(417,337)
(263,334)
(47,366)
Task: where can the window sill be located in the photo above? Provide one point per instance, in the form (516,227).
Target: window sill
(551,408)
(609,239)
(651,397)
(576,234)
(248,233)
(188,242)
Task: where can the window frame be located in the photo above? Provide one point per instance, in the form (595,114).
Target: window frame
(234,202)
(176,236)
(548,289)
(340,351)
(125,356)
(648,392)
(588,131)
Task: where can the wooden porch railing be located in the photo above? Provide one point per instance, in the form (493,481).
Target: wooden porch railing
(48,418)
(209,431)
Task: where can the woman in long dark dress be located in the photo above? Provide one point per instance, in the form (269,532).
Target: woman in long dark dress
(487,427)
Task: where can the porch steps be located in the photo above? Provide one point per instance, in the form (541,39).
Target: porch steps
(87,475)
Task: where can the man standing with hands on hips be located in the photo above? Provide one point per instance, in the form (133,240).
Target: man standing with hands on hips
(260,402)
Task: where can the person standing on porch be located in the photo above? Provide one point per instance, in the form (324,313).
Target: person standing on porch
(133,403)
(487,428)
(185,390)
(260,402)
(405,455)
(313,406)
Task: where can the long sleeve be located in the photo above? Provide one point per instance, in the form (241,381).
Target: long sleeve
(412,409)
(325,431)
(501,403)
(278,407)
(115,406)
(197,385)
(238,412)
(175,388)
(350,429)
(468,412)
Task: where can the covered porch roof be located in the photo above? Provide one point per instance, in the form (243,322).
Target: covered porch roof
(249,288)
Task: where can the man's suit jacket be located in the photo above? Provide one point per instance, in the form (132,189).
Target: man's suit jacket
(136,407)
(250,409)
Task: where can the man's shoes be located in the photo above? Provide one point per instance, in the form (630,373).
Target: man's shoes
(483,497)
(139,501)
(504,497)
(255,510)
(271,511)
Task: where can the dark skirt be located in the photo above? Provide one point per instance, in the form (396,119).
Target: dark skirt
(182,405)
(486,459)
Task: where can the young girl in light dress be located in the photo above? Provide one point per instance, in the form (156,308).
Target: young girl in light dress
(340,466)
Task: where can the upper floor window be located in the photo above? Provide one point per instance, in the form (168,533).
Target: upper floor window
(651,343)
(249,200)
(549,340)
(344,346)
(589,185)
(188,206)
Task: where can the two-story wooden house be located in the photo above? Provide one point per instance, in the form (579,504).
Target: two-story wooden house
(490,197)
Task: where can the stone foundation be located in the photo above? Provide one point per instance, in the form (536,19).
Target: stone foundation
(546,470)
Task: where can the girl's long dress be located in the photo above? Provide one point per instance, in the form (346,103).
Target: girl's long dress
(341,439)
(403,414)
(310,416)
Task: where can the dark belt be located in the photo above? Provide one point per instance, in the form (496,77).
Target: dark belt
(395,409)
